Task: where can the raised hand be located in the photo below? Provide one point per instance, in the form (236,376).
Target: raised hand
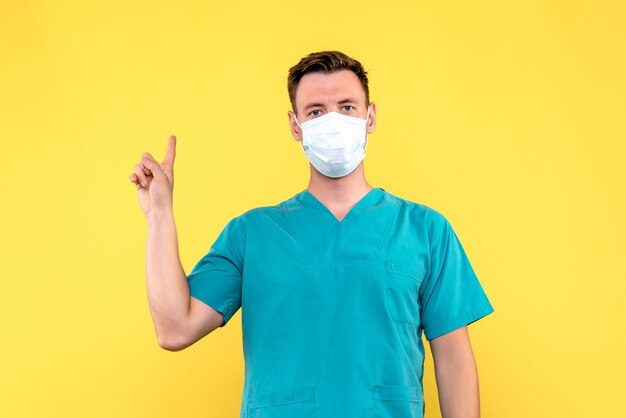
(154,181)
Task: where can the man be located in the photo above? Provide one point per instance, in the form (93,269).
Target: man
(336,283)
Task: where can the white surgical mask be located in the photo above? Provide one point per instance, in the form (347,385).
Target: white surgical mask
(334,143)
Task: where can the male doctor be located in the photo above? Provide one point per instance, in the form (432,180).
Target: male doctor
(336,284)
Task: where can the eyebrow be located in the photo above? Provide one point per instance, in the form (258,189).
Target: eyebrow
(347,100)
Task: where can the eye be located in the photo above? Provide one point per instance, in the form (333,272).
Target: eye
(312,113)
(351,107)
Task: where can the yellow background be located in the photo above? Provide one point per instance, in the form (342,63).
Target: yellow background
(508,117)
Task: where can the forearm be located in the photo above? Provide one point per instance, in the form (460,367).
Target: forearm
(167,287)
(457,384)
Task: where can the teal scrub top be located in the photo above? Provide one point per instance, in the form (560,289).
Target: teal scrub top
(332,311)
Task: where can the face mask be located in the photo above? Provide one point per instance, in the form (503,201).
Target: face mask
(334,143)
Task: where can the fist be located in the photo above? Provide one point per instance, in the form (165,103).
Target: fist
(155,181)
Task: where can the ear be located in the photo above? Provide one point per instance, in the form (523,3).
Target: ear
(293,126)
(371,120)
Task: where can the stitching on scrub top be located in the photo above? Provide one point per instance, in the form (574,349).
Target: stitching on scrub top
(410,323)
(281,403)
(291,228)
(415,325)
(300,395)
(402,269)
(234,224)
(393,215)
(444,243)
(340,263)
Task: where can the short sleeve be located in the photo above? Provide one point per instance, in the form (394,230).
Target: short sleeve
(216,277)
(451,294)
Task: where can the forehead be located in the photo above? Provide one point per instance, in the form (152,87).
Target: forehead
(328,87)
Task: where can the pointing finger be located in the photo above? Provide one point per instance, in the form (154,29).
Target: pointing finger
(170,154)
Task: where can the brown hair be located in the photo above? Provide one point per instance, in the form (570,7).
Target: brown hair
(325,62)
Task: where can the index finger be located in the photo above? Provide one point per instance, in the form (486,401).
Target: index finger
(170,154)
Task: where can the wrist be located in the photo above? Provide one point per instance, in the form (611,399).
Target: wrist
(157,215)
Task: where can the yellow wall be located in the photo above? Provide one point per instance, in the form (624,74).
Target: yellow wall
(508,117)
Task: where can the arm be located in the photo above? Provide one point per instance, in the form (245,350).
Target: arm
(456,375)
(179,320)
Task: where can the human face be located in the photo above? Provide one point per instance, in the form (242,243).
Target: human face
(319,93)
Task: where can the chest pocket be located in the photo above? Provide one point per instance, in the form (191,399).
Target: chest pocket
(403,282)
(286,403)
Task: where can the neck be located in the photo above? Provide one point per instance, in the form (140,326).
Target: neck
(339,193)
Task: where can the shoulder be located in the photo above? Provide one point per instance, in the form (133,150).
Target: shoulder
(259,215)
(419,213)
(259,212)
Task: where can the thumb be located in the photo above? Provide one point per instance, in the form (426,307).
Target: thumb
(155,168)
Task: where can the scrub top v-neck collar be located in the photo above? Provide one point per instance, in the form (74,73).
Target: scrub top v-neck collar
(369,198)
(321,238)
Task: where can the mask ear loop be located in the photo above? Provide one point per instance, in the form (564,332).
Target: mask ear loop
(296,118)
(366,119)
(301,132)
